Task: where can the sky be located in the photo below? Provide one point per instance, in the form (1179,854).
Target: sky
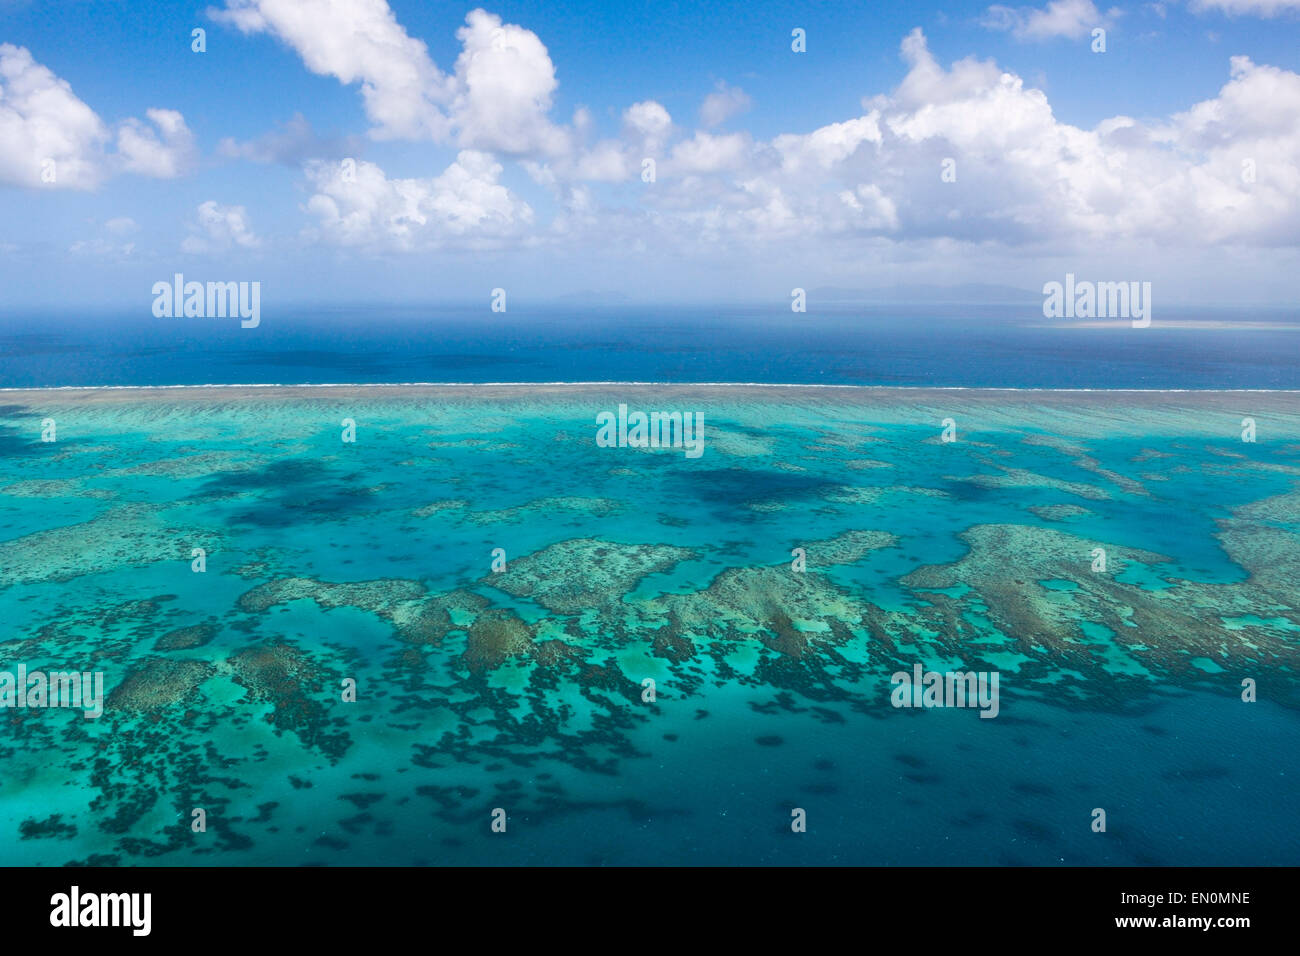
(363,151)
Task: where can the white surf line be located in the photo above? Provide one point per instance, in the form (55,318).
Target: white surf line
(896,388)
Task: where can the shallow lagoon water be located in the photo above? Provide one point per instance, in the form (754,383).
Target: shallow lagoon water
(523,690)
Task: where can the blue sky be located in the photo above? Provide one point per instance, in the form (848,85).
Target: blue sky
(524,169)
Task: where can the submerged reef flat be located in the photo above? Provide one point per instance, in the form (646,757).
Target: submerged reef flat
(353,651)
(573,576)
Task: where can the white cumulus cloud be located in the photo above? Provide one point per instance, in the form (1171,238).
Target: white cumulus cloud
(164,151)
(722,104)
(1260,8)
(358,41)
(497,97)
(1071,19)
(357,205)
(50,138)
(219,228)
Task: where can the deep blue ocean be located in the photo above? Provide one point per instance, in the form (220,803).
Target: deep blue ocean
(962,346)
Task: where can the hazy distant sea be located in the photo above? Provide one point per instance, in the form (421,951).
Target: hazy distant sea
(978,346)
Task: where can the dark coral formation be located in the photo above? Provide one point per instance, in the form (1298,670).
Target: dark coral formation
(186,638)
(495,637)
(295,686)
(157,683)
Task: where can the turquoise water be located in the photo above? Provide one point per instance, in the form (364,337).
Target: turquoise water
(522,689)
